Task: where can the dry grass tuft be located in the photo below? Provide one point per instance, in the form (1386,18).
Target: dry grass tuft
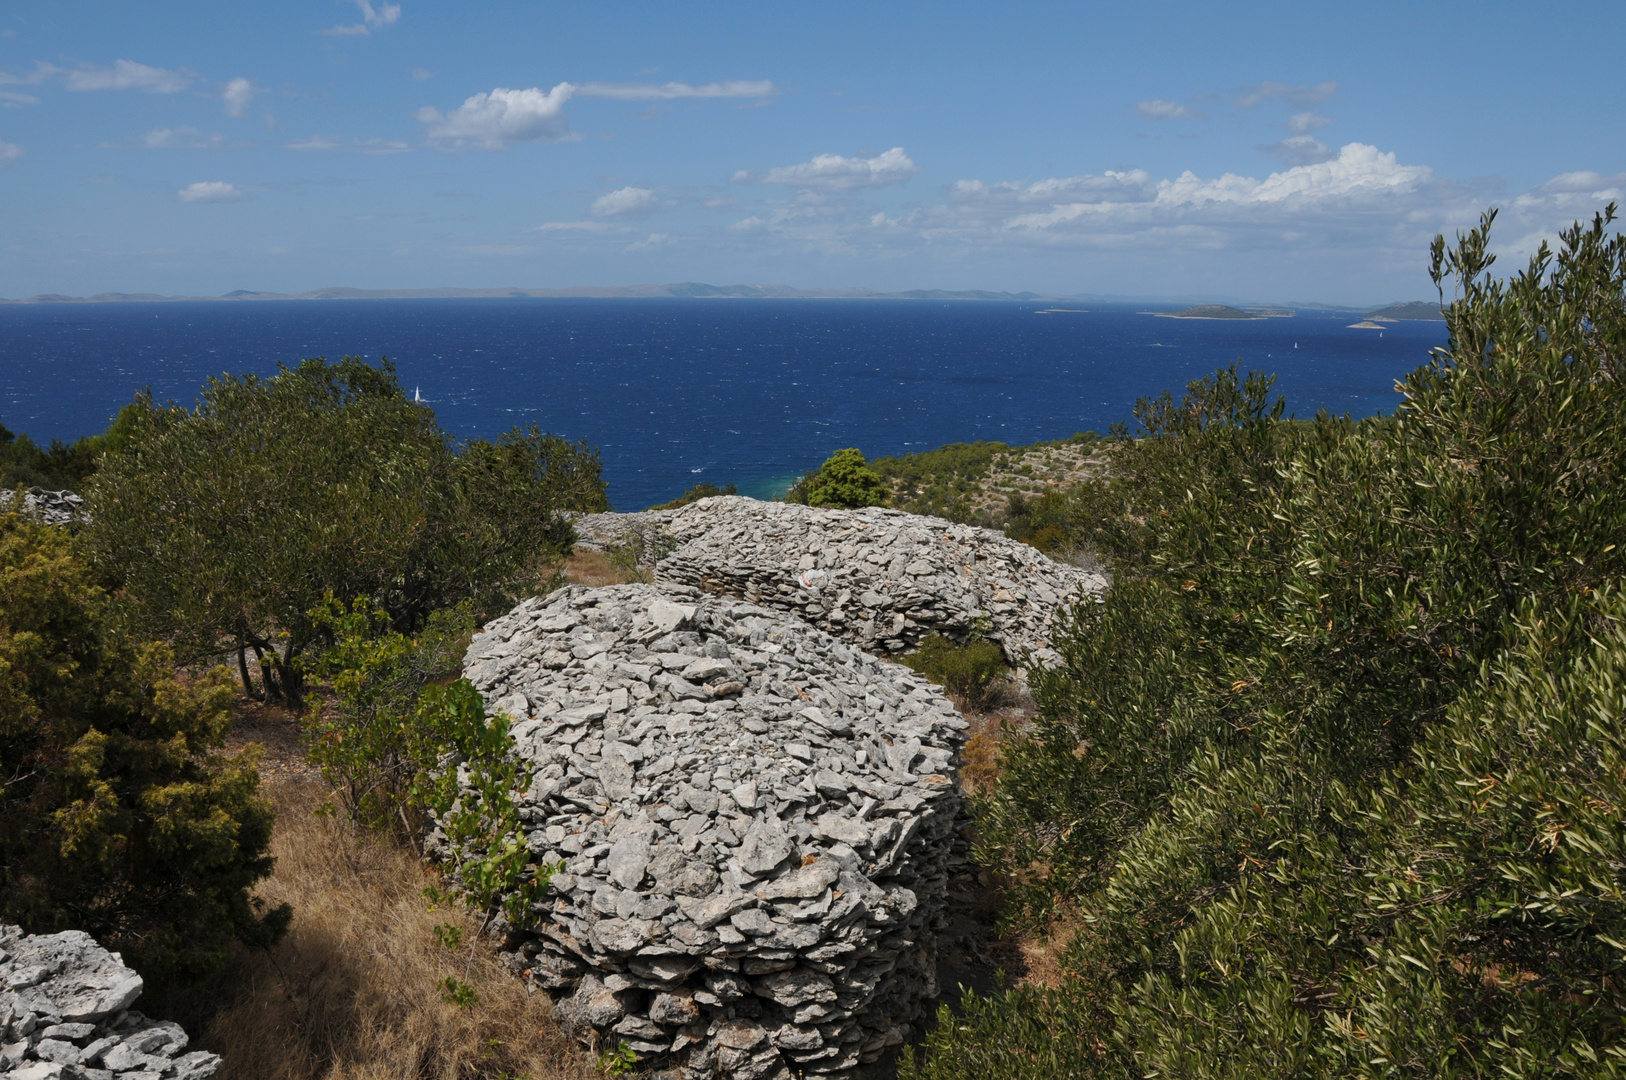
(353,992)
(588,567)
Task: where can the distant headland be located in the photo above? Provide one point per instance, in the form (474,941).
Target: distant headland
(1210,311)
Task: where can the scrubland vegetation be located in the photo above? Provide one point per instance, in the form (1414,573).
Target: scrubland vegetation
(1331,784)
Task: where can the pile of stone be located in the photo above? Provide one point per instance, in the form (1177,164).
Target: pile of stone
(65,1015)
(51,507)
(755,822)
(881,579)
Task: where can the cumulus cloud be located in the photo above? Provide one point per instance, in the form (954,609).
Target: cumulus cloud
(1305,122)
(832,172)
(1299,150)
(497,120)
(127,75)
(238,93)
(736,88)
(624,202)
(501,118)
(1301,96)
(210,191)
(10,152)
(1158,109)
(181,138)
(385,15)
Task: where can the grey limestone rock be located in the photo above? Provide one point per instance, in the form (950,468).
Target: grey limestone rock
(65,1013)
(880,579)
(752,820)
(50,507)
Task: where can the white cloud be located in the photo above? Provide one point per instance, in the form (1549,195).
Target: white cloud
(181,138)
(41,72)
(624,202)
(735,88)
(239,92)
(10,152)
(653,240)
(578,226)
(501,118)
(1158,109)
(1300,150)
(1305,122)
(127,75)
(210,191)
(386,15)
(355,146)
(13,99)
(420,74)
(1301,96)
(832,172)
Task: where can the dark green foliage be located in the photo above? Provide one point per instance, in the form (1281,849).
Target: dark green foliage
(844,481)
(61,465)
(225,525)
(1332,778)
(1044,521)
(696,493)
(118,814)
(974,673)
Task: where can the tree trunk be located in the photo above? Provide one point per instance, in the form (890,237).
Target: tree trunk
(242,669)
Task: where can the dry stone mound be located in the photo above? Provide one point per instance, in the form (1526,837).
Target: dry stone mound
(65,1015)
(50,507)
(881,579)
(755,821)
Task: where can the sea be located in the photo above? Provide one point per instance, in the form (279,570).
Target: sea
(673,392)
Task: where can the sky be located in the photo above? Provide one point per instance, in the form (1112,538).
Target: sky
(1248,151)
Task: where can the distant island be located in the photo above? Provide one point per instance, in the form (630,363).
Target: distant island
(1209,311)
(1410,309)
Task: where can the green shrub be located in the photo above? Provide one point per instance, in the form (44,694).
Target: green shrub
(118,814)
(975,673)
(405,747)
(1330,777)
(844,481)
(224,526)
(61,465)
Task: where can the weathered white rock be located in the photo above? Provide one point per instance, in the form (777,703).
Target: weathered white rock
(716,887)
(50,507)
(65,1013)
(880,579)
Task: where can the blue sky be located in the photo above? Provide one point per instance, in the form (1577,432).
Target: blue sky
(1182,150)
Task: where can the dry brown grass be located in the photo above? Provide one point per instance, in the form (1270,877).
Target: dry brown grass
(588,567)
(353,992)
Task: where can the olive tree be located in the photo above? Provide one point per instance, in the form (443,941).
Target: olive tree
(226,525)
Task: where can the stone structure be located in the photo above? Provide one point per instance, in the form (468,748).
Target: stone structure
(755,821)
(65,1015)
(880,579)
(51,507)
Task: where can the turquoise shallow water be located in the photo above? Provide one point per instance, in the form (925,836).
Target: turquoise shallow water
(673,392)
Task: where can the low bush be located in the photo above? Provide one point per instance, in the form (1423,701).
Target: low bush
(119,816)
(1330,780)
(974,673)
(696,493)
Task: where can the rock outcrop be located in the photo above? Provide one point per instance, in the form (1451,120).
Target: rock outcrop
(51,507)
(880,579)
(755,821)
(65,1015)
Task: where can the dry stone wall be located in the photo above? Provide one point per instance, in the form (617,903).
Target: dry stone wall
(755,822)
(51,507)
(65,1015)
(879,578)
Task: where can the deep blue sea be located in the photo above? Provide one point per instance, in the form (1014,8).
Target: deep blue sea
(673,392)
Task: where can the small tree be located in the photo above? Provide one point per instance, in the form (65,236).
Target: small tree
(226,525)
(118,815)
(845,481)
